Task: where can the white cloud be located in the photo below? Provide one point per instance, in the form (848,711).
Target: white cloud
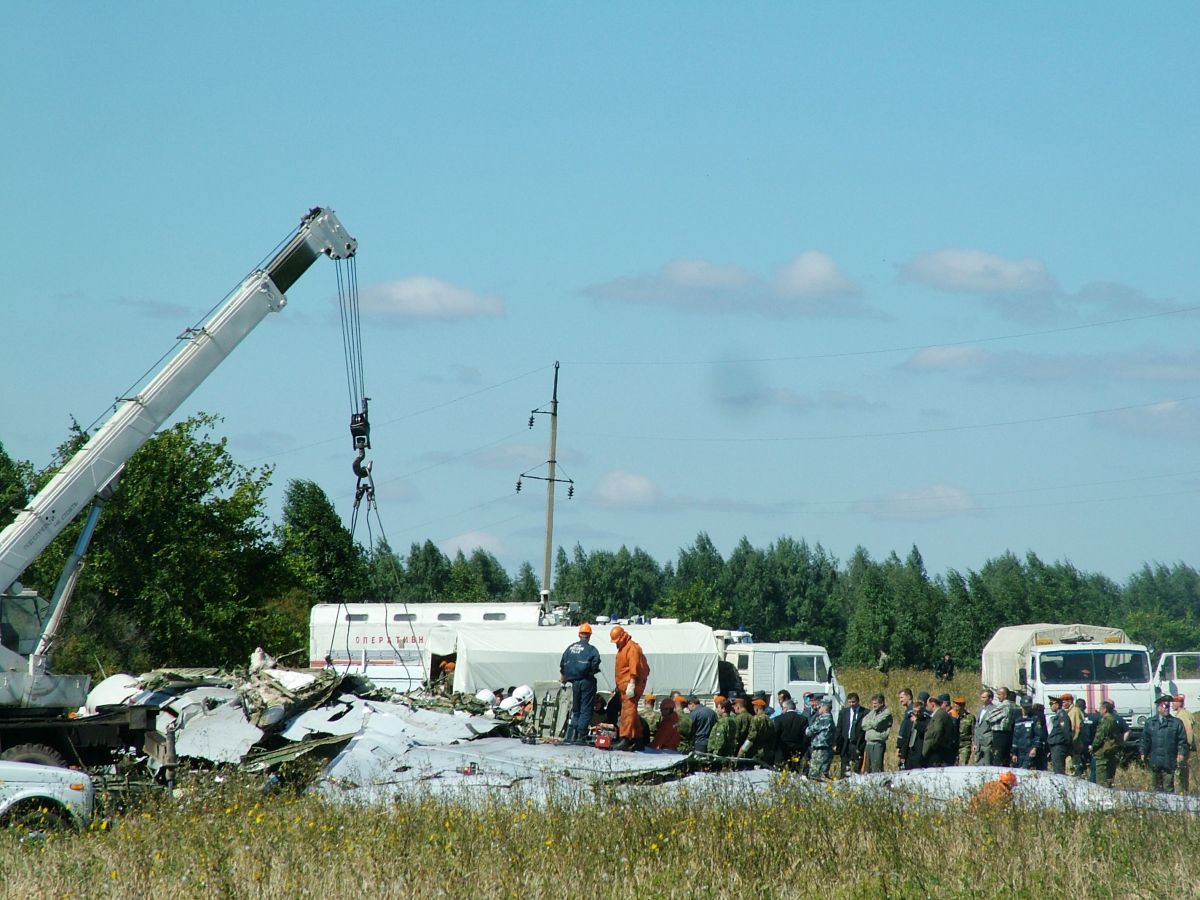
(422,297)
(956,357)
(468,541)
(977,272)
(1172,419)
(696,273)
(814,274)
(939,501)
(627,490)
(810,286)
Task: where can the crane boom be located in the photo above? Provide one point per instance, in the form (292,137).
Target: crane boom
(135,419)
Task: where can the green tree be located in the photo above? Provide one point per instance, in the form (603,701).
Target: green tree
(428,573)
(180,566)
(525,586)
(16,478)
(865,593)
(318,550)
(385,573)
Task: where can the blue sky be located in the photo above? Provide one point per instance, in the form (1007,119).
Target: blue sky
(858,274)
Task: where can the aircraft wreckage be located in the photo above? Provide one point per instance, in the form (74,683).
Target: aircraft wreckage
(381,745)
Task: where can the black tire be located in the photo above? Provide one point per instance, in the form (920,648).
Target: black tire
(35,753)
(38,817)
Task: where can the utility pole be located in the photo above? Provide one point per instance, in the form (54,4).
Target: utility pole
(551,479)
(551,462)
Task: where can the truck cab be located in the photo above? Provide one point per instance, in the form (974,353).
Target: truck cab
(1179,673)
(1108,670)
(793,666)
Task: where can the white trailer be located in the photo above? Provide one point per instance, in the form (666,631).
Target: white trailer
(385,641)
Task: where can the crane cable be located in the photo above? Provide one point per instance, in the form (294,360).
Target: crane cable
(360,434)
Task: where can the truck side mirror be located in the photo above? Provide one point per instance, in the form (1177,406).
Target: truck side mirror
(1022,676)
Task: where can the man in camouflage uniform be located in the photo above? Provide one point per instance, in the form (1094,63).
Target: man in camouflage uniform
(1105,742)
(741,717)
(966,731)
(760,738)
(820,742)
(723,739)
(687,732)
(651,714)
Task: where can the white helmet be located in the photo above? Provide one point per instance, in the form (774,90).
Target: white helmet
(510,704)
(486,696)
(523,694)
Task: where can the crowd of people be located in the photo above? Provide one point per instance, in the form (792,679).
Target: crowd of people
(930,731)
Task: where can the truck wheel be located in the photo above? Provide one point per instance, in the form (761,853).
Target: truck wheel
(34,753)
(37,816)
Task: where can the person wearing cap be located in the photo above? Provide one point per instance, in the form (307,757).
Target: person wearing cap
(1105,743)
(966,730)
(632,671)
(703,720)
(1164,745)
(651,713)
(578,667)
(1075,712)
(1086,765)
(1059,736)
(850,741)
(1189,727)
(723,739)
(939,742)
(820,740)
(996,794)
(1029,736)
(741,718)
(759,744)
(877,727)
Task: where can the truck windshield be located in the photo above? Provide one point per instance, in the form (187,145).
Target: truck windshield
(1095,666)
(21,620)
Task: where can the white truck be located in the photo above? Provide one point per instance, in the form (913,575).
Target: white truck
(793,666)
(1094,662)
(37,721)
(1179,673)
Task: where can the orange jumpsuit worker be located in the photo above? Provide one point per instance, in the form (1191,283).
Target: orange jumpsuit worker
(632,672)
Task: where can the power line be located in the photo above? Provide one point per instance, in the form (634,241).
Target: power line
(882,434)
(877,351)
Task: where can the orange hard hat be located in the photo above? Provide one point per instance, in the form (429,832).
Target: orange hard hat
(585,628)
(1008,779)
(616,634)
(1067,698)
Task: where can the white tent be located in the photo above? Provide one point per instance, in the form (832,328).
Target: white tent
(682,657)
(1005,654)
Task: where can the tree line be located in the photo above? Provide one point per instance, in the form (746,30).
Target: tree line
(186,569)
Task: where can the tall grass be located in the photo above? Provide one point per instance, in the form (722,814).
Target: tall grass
(231,841)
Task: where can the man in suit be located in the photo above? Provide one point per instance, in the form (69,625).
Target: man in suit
(850,740)
(940,741)
(790,727)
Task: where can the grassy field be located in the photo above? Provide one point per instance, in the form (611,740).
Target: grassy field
(229,840)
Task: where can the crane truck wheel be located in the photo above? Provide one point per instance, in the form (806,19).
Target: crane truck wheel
(34,753)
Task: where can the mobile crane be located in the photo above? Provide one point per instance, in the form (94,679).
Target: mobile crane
(37,722)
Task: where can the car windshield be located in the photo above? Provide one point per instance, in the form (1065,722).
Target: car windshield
(1095,666)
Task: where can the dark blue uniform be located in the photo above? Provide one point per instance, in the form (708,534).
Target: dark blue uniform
(579,665)
(1029,733)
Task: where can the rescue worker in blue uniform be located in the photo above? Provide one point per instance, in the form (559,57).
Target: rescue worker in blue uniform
(578,667)
(1029,736)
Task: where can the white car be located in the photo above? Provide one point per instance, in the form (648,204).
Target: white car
(40,797)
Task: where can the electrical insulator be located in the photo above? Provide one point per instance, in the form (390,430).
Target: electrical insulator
(570,492)
(518,485)
(530,420)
